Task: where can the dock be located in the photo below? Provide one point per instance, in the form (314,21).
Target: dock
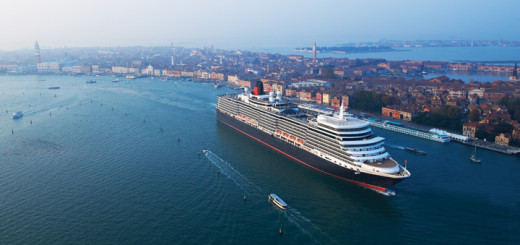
(493,146)
(409,131)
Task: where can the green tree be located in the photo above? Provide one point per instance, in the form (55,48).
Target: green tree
(502,127)
(474,116)
(483,134)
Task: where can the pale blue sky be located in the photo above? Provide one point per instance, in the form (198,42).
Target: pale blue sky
(247,24)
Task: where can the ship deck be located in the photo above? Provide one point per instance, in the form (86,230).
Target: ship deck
(387,163)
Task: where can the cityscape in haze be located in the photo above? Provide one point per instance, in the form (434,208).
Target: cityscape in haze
(188,122)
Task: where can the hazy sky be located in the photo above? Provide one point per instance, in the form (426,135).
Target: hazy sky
(248,24)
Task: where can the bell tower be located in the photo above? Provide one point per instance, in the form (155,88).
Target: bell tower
(37,53)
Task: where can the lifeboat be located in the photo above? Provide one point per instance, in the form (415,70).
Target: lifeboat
(285,135)
(278,132)
(292,138)
(299,141)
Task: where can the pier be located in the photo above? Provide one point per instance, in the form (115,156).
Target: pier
(409,131)
(439,137)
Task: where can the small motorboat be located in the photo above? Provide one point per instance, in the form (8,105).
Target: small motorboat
(91,81)
(54,87)
(17,115)
(415,150)
(276,200)
(116,80)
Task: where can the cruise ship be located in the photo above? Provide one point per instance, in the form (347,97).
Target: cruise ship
(336,144)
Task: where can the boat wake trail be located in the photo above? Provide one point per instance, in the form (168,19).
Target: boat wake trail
(231,173)
(306,226)
(291,214)
(395,146)
(42,110)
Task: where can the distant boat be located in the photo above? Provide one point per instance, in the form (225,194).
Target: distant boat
(41,79)
(473,157)
(17,115)
(91,81)
(54,87)
(130,77)
(116,80)
(415,150)
(277,201)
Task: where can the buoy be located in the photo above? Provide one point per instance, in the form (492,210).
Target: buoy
(245,198)
(281,231)
(12,131)
(218,171)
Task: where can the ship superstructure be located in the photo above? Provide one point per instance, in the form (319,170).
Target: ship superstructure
(336,144)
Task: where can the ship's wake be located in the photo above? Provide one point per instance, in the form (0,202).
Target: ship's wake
(231,173)
(395,146)
(291,214)
(306,226)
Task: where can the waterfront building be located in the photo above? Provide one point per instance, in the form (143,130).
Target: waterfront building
(48,67)
(469,129)
(397,112)
(502,139)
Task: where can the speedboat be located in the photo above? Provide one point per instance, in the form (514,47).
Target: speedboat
(116,80)
(276,200)
(415,150)
(17,114)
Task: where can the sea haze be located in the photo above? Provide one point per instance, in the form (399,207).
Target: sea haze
(118,162)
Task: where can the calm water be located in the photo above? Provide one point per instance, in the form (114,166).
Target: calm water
(95,167)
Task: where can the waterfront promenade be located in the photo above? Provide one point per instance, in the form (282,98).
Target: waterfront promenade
(421,128)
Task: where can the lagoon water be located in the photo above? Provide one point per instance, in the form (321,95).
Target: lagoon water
(102,163)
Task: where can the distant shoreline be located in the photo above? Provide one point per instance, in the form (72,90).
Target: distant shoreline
(348,49)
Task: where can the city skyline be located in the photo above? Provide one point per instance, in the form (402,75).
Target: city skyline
(233,24)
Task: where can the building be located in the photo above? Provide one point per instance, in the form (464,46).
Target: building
(502,139)
(514,74)
(37,53)
(469,129)
(396,112)
(335,103)
(48,67)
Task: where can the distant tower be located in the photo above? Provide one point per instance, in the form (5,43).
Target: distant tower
(37,53)
(514,74)
(172,61)
(314,51)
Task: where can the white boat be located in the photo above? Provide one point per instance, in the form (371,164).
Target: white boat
(276,200)
(116,80)
(129,77)
(17,114)
(473,157)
